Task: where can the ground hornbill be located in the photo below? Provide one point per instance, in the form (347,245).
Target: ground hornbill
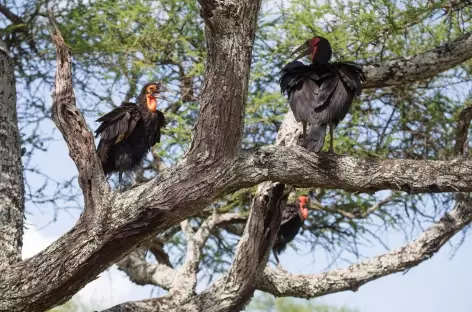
(321,93)
(129,131)
(293,217)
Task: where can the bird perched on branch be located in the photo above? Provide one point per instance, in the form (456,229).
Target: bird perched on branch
(293,217)
(320,94)
(129,131)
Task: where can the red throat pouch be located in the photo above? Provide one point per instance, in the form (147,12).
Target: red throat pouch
(303,210)
(304,213)
(151,103)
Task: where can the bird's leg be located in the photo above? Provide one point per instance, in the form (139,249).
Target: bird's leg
(303,136)
(120,180)
(279,266)
(131,177)
(331,131)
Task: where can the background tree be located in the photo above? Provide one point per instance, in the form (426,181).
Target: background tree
(409,111)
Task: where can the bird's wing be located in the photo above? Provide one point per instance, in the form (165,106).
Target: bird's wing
(351,74)
(293,73)
(303,98)
(161,123)
(329,82)
(290,212)
(119,123)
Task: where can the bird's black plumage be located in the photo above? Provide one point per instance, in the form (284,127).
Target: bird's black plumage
(129,131)
(321,93)
(293,218)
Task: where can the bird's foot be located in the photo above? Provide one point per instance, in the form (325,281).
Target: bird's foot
(331,150)
(279,267)
(301,142)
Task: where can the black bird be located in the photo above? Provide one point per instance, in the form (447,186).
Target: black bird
(320,94)
(293,217)
(129,131)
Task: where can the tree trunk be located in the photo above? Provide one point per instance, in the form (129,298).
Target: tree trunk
(11,170)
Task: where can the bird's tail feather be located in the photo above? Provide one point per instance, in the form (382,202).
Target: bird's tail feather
(315,138)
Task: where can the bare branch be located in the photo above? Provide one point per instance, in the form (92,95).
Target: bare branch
(187,229)
(187,279)
(280,283)
(420,66)
(142,272)
(157,249)
(15,19)
(72,124)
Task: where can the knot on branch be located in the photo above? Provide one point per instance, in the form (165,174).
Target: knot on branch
(207,7)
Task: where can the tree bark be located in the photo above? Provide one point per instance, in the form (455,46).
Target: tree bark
(421,66)
(229,33)
(12,206)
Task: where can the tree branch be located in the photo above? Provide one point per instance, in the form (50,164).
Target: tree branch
(142,272)
(15,19)
(157,249)
(297,167)
(280,283)
(72,124)
(420,66)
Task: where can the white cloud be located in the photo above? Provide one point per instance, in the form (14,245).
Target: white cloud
(34,242)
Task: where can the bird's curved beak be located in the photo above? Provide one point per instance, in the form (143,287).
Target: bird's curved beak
(305,48)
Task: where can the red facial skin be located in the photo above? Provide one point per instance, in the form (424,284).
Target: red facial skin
(303,210)
(314,44)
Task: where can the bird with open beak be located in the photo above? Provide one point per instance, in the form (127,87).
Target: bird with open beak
(128,132)
(321,93)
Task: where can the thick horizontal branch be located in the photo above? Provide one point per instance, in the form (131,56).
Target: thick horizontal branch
(297,167)
(421,66)
(280,283)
